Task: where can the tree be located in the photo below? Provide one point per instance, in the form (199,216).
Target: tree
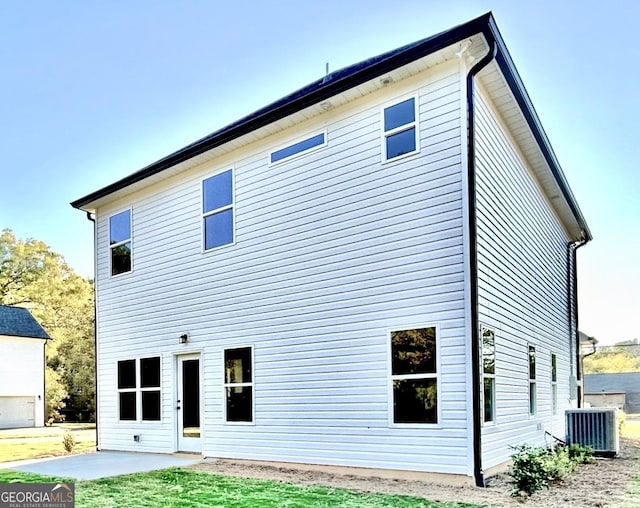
(622,357)
(55,394)
(33,276)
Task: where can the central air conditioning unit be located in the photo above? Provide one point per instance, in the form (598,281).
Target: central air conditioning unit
(594,427)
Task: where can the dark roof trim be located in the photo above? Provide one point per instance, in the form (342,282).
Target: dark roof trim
(18,322)
(351,77)
(317,91)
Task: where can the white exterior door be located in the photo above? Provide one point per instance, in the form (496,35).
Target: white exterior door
(188,403)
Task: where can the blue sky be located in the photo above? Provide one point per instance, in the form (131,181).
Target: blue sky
(94,91)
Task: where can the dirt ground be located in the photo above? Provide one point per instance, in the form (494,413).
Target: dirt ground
(605,483)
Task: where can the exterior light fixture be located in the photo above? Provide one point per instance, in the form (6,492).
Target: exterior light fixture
(184,338)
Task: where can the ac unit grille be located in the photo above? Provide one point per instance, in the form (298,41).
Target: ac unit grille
(597,428)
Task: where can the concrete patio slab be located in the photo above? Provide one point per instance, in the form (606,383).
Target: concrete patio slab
(90,466)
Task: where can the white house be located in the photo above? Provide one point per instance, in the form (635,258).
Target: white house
(377,270)
(22,343)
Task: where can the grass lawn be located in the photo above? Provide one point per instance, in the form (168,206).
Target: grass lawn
(39,449)
(37,442)
(185,488)
(57,429)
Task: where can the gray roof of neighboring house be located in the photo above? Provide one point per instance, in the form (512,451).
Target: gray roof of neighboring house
(627,382)
(18,322)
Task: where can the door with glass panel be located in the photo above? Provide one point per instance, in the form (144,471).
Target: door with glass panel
(188,403)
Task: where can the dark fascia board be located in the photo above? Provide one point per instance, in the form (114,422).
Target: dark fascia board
(351,77)
(317,91)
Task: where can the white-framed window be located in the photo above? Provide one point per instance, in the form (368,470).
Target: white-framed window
(414,375)
(298,148)
(532,381)
(399,127)
(120,242)
(217,210)
(554,383)
(488,374)
(238,384)
(139,394)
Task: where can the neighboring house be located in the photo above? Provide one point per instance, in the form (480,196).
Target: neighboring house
(620,389)
(22,343)
(377,270)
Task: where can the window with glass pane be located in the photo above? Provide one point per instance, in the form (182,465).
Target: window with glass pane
(151,405)
(217,210)
(554,384)
(489,373)
(139,395)
(297,148)
(414,375)
(127,389)
(127,406)
(238,384)
(150,388)
(126,374)
(532,380)
(400,129)
(120,242)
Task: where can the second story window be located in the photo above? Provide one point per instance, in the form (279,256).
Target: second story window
(400,132)
(120,242)
(298,148)
(217,210)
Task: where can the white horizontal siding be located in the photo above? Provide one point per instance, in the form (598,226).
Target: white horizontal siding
(522,285)
(332,250)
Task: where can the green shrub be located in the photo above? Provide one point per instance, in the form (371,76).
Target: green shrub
(534,468)
(529,471)
(580,454)
(558,464)
(68,441)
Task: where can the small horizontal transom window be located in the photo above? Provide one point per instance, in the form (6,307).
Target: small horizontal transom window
(297,148)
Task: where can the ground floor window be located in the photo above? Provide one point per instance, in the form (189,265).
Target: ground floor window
(532,381)
(489,374)
(139,389)
(238,384)
(414,375)
(554,384)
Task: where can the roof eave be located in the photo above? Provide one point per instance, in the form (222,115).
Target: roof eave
(26,337)
(326,88)
(319,91)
